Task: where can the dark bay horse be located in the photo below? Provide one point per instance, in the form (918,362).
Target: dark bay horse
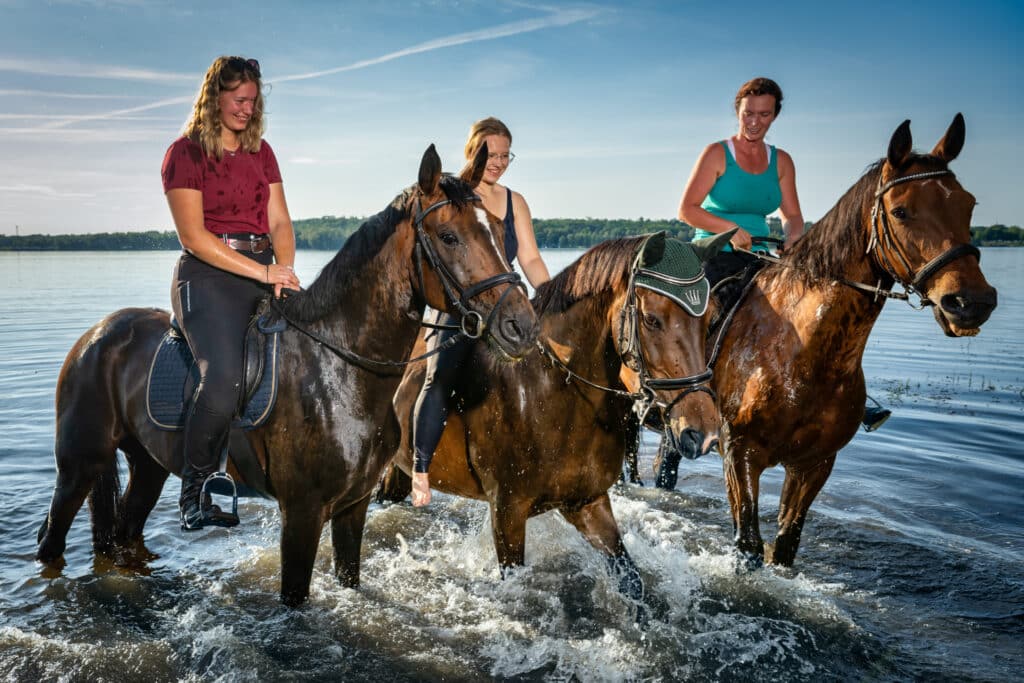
(789,378)
(528,440)
(325,444)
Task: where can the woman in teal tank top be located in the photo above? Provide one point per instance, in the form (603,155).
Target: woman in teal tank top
(737,182)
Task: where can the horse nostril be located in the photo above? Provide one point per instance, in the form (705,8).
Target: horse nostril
(512,331)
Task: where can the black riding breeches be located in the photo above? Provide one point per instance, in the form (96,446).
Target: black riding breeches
(435,399)
(213,308)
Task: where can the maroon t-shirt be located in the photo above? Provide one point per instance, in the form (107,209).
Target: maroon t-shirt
(236,189)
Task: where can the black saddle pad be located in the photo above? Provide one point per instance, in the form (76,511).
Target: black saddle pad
(173,376)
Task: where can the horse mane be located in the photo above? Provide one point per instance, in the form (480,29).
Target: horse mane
(839,238)
(603,267)
(337,278)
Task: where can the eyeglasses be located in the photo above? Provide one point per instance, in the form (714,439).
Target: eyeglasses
(240,65)
(504,158)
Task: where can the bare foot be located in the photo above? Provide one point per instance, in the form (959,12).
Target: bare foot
(420,489)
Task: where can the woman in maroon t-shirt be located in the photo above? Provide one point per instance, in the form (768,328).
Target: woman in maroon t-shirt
(225,193)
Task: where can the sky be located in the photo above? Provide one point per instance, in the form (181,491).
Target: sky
(609,103)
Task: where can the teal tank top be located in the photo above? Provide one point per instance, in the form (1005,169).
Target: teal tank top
(744,198)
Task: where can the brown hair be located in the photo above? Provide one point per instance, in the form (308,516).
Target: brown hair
(480,130)
(760,86)
(204,126)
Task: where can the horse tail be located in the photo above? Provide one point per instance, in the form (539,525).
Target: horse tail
(104,506)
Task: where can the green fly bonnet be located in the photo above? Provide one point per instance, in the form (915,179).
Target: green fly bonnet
(671,268)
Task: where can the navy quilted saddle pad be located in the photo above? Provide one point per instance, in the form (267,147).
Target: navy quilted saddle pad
(173,376)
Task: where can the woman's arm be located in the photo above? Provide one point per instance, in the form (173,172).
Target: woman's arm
(529,255)
(709,167)
(187,211)
(792,217)
(282,235)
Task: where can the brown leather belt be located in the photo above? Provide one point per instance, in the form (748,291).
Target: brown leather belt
(243,242)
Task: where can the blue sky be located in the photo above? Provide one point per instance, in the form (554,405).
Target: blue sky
(609,103)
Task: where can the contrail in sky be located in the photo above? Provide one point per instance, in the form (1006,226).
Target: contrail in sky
(562,18)
(558,18)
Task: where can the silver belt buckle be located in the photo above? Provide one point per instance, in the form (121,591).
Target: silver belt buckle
(253,241)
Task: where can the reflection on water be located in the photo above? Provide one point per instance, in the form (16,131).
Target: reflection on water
(910,565)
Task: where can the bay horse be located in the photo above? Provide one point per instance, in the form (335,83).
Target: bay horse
(550,432)
(788,376)
(326,442)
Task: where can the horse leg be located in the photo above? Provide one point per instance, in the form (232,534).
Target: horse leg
(508,524)
(301,524)
(596,522)
(742,479)
(347,538)
(146,479)
(394,486)
(82,470)
(798,492)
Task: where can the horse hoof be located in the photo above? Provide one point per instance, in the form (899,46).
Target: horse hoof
(749,562)
(293,600)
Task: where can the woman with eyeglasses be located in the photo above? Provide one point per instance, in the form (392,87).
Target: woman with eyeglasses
(432,405)
(224,190)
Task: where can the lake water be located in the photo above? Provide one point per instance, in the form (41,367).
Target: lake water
(911,566)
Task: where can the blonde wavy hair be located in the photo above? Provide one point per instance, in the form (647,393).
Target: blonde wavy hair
(480,130)
(204,127)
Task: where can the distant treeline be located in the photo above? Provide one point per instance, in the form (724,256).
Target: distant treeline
(330,232)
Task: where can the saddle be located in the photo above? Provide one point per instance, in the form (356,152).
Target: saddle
(173,376)
(729,273)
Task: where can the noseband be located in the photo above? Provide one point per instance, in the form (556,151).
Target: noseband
(882,243)
(473,324)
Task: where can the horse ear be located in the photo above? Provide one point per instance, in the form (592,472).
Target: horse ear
(473,172)
(653,248)
(900,145)
(952,142)
(710,246)
(430,171)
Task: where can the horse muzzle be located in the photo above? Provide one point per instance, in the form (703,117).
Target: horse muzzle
(514,332)
(690,443)
(962,314)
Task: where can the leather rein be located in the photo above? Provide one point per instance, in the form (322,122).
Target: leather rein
(882,242)
(472,325)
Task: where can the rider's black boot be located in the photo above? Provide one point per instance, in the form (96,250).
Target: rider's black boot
(195,506)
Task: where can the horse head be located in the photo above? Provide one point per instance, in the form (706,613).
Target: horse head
(920,231)
(662,339)
(461,265)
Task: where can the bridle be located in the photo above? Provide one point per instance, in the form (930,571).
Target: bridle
(472,325)
(882,244)
(631,354)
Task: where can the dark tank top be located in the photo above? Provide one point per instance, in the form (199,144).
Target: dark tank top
(511,241)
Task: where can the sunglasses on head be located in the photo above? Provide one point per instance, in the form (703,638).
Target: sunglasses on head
(240,65)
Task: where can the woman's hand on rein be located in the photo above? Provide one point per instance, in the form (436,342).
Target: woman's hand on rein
(741,240)
(282,277)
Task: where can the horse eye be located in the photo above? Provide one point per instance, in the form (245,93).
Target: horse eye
(899,212)
(449,238)
(651,320)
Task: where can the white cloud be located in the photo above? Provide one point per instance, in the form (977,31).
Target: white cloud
(44,191)
(77,70)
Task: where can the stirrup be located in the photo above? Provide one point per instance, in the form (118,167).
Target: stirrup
(874,416)
(213,515)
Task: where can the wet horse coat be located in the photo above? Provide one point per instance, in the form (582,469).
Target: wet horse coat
(325,444)
(527,440)
(789,378)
